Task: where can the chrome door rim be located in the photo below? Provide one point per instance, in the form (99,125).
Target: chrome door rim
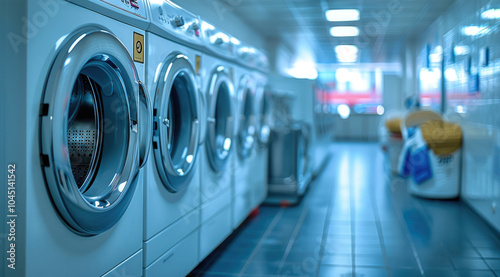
(264,121)
(246,113)
(220,142)
(176,172)
(100,206)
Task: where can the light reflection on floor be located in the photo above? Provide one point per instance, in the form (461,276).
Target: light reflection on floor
(355,221)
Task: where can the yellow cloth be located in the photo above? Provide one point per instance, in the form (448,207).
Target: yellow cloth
(393,125)
(443,138)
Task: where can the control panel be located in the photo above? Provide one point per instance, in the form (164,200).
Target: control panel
(170,19)
(262,61)
(132,12)
(133,7)
(246,54)
(218,41)
(252,57)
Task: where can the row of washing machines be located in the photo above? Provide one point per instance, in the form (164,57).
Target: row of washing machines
(138,137)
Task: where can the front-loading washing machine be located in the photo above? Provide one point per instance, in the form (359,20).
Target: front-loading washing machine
(245,136)
(263,111)
(79,127)
(218,147)
(172,181)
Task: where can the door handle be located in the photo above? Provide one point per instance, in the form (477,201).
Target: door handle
(145,124)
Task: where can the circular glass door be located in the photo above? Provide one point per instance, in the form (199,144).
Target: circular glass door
(264,113)
(220,119)
(175,138)
(303,151)
(88,135)
(246,129)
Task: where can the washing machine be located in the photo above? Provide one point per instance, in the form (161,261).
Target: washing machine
(245,135)
(172,195)
(79,128)
(218,146)
(263,111)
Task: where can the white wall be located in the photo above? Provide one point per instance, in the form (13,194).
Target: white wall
(303,89)
(357,127)
(221,15)
(392,94)
(480,117)
(408,62)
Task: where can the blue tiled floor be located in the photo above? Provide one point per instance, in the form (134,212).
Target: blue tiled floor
(356,221)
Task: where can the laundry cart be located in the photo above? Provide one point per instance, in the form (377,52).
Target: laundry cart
(289,170)
(391,140)
(431,158)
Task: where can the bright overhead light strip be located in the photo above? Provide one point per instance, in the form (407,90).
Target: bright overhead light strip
(342,15)
(473,30)
(491,14)
(347,53)
(344,31)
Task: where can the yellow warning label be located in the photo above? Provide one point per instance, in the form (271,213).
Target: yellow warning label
(198,64)
(138,48)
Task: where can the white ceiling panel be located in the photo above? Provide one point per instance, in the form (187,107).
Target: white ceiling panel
(384,24)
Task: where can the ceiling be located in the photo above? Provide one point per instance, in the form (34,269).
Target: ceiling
(384,24)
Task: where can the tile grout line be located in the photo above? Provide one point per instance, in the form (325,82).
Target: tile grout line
(298,226)
(426,213)
(409,237)
(352,207)
(269,229)
(295,233)
(480,255)
(428,219)
(326,227)
(380,232)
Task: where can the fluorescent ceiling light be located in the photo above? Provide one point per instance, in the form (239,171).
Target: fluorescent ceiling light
(341,49)
(491,14)
(344,31)
(346,53)
(303,70)
(342,15)
(472,30)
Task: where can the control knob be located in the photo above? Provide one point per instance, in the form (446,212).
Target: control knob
(218,41)
(178,21)
(196,28)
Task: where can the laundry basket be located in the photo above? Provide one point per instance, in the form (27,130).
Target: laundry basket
(416,118)
(434,158)
(391,140)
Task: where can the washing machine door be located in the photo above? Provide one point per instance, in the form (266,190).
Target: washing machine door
(303,152)
(263,112)
(94,132)
(246,125)
(220,119)
(176,122)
